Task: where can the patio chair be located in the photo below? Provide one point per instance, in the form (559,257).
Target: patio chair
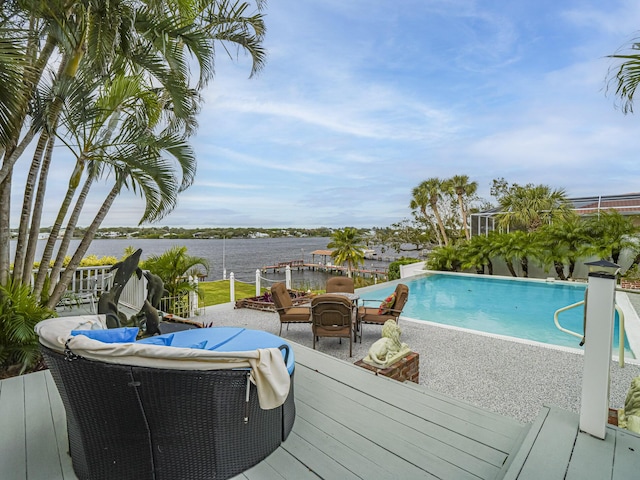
(284,306)
(381,313)
(332,317)
(340,284)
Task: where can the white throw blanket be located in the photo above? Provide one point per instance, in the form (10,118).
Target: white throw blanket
(268,370)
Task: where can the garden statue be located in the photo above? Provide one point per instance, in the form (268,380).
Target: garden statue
(629,418)
(155,289)
(388,349)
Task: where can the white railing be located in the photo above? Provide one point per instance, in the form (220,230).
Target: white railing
(581,336)
(98,280)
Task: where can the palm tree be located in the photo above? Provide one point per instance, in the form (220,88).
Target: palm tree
(531,206)
(460,186)
(610,233)
(348,247)
(93,42)
(517,246)
(173,267)
(446,258)
(477,253)
(626,76)
(566,241)
(428,193)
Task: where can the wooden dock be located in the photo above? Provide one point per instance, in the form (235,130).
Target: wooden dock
(320,267)
(352,424)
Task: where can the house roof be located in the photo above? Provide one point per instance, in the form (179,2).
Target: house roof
(625,204)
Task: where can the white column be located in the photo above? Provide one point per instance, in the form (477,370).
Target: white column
(257,282)
(594,408)
(287,276)
(232,287)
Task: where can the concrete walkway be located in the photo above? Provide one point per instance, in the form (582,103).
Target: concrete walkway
(508,377)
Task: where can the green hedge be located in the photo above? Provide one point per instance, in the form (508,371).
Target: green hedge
(394,267)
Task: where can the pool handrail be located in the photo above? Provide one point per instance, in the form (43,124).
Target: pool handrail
(575,334)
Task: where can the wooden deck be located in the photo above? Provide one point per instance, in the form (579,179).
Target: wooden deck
(351,424)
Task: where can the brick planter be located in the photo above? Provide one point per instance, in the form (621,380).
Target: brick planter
(406,369)
(630,284)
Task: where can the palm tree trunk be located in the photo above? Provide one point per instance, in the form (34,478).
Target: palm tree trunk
(27,203)
(68,273)
(490,267)
(5,230)
(559,267)
(463,214)
(34,229)
(510,267)
(440,224)
(524,264)
(32,77)
(55,230)
(71,226)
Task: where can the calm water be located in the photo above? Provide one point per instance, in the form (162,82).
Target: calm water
(240,256)
(517,309)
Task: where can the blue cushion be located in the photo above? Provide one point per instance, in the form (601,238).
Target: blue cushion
(110,335)
(159,340)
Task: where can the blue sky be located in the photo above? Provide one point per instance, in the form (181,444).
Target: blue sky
(360,101)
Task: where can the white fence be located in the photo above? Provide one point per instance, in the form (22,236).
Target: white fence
(97,280)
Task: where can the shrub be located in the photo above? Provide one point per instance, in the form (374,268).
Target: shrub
(19,314)
(394,267)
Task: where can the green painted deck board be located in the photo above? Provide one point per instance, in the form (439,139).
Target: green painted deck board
(550,455)
(430,446)
(384,462)
(626,460)
(353,425)
(12,431)
(592,456)
(419,415)
(407,396)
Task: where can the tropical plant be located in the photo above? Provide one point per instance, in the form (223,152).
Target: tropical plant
(565,241)
(610,233)
(19,314)
(445,258)
(394,267)
(173,267)
(460,186)
(531,206)
(427,194)
(111,80)
(478,252)
(625,76)
(348,247)
(518,247)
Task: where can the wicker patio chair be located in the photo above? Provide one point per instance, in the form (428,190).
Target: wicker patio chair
(374,315)
(332,317)
(284,306)
(340,284)
(130,422)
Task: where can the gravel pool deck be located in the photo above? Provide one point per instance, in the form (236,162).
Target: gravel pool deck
(508,377)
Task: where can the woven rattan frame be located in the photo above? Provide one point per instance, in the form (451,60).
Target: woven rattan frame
(127,422)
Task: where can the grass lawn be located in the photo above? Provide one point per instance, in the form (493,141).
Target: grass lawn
(218,292)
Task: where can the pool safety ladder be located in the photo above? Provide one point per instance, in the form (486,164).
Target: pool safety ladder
(581,336)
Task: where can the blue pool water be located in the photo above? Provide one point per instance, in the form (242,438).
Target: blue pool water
(520,309)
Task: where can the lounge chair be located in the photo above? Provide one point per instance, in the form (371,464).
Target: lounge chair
(332,317)
(284,306)
(340,284)
(379,314)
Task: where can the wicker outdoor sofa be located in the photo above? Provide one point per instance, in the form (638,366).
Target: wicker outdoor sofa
(184,419)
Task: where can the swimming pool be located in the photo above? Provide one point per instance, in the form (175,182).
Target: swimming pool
(515,308)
